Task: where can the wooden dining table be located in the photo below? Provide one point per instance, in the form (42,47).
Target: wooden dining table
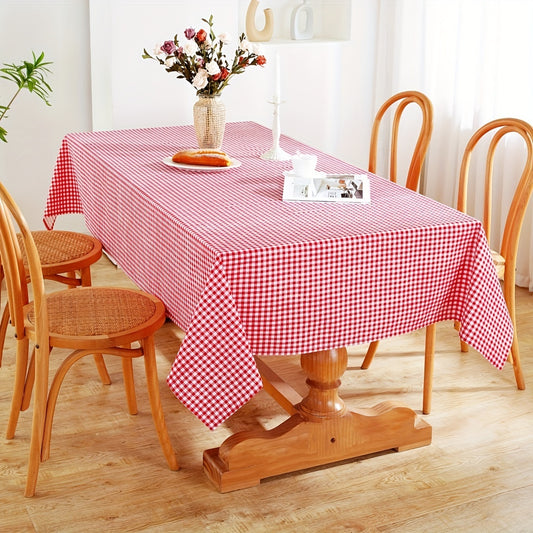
(249,276)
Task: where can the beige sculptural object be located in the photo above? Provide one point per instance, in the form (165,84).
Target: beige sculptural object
(252,32)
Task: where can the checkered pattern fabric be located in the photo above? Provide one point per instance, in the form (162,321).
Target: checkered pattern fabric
(244,273)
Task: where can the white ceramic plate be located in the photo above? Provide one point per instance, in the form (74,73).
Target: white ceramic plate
(202,168)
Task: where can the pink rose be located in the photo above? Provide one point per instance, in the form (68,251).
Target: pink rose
(168,47)
(189,33)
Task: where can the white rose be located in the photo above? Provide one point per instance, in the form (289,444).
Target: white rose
(208,43)
(170,61)
(157,49)
(257,49)
(245,45)
(200,80)
(212,68)
(190,47)
(224,38)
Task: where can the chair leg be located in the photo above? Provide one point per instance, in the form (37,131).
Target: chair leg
(21,366)
(85,277)
(517,366)
(51,401)
(39,412)
(428,367)
(28,386)
(372,349)
(155,403)
(102,369)
(3,330)
(464,345)
(129,384)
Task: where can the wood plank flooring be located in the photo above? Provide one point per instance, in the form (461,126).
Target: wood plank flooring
(107,473)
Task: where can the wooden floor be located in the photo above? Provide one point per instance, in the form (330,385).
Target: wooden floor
(107,473)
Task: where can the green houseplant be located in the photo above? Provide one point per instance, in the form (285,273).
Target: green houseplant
(26,75)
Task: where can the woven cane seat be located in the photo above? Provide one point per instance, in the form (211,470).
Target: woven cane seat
(104,312)
(60,251)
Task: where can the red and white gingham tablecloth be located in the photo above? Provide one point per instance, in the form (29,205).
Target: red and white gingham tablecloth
(244,273)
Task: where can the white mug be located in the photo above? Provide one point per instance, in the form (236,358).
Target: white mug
(304,164)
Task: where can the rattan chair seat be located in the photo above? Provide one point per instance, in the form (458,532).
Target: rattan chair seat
(98,312)
(60,251)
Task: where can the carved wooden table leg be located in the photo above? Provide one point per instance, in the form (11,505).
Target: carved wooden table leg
(321,430)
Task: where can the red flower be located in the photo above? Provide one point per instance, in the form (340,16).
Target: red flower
(222,75)
(261,60)
(201,36)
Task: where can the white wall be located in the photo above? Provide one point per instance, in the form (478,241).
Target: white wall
(100,80)
(60,29)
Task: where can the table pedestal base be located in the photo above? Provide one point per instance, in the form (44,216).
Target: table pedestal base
(320,431)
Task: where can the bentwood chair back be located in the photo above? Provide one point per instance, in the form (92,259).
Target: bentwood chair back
(504,258)
(66,257)
(87,320)
(400,102)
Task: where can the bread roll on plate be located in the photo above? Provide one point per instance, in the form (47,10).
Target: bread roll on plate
(202,156)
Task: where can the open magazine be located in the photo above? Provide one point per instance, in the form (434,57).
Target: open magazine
(322,187)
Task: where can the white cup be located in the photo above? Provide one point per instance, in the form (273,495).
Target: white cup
(303,164)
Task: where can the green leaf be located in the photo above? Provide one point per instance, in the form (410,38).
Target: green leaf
(27,75)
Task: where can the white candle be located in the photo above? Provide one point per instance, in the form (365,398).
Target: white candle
(277,81)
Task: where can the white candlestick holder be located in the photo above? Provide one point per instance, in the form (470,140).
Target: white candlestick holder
(276,153)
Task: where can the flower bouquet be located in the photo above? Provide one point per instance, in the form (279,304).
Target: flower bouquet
(200,59)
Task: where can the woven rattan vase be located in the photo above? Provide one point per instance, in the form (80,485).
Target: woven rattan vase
(209,121)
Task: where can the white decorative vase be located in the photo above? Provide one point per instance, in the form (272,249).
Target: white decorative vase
(209,115)
(302,22)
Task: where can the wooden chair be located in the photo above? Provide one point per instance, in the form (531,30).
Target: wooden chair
(88,320)
(401,101)
(505,258)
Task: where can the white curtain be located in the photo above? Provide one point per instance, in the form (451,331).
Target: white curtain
(474,59)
